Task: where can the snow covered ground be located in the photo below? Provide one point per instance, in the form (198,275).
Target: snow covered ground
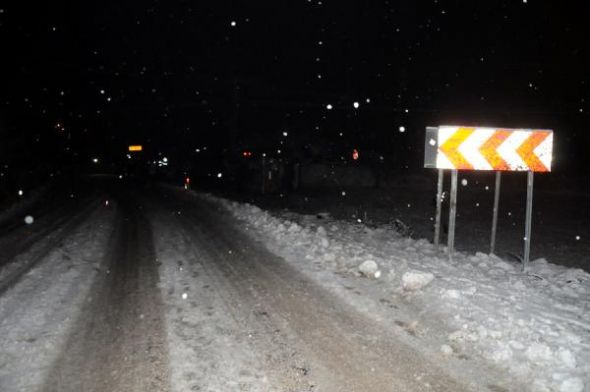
(37,312)
(238,319)
(534,326)
(207,348)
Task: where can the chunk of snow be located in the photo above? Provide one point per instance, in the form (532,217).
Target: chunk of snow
(446,350)
(501,354)
(516,345)
(573,384)
(539,352)
(463,335)
(566,358)
(369,268)
(416,280)
(451,294)
(504,265)
(29,220)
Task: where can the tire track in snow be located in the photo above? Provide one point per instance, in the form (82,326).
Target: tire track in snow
(117,343)
(36,312)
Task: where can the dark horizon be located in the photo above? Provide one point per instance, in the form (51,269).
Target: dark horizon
(86,80)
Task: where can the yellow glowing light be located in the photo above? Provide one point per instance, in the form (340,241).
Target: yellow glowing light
(136,148)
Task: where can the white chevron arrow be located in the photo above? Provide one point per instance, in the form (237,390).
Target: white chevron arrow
(507,150)
(470,148)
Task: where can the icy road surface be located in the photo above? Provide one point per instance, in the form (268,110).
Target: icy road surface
(241,318)
(165,290)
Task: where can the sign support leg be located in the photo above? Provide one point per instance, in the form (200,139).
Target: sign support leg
(452,213)
(495,214)
(263,189)
(439,188)
(529,216)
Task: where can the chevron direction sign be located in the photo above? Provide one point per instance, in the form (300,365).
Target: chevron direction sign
(474,148)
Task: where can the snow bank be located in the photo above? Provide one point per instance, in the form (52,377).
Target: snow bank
(535,325)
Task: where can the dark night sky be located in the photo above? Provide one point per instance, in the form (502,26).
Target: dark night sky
(181,75)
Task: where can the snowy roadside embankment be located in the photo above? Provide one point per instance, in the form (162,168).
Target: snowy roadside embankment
(38,311)
(535,325)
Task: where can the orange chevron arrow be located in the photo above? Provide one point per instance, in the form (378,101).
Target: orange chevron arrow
(451,148)
(526,151)
(489,152)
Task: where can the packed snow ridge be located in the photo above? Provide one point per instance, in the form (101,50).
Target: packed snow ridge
(535,326)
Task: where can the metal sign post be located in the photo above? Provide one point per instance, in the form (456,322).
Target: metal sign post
(529,216)
(439,188)
(452,214)
(263,188)
(495,213)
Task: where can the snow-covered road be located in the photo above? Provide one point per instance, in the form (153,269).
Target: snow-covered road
(166,290)
(117,342)
(244,319)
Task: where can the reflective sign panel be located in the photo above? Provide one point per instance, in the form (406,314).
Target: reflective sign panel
(475,148)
